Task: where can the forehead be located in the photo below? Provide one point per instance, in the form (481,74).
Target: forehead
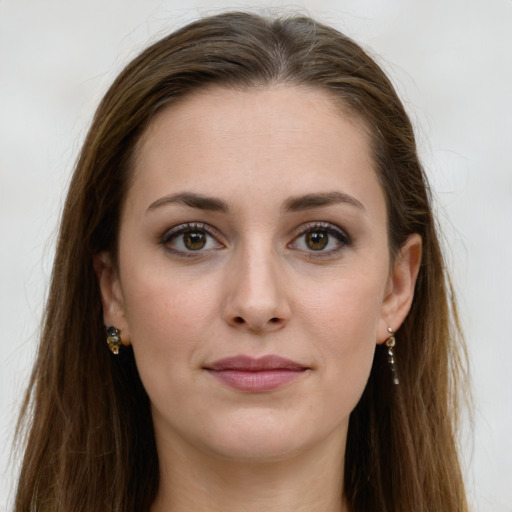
(276,140)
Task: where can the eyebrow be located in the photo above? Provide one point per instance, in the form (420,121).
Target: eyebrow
(309,201)
(292,204)
(193,200)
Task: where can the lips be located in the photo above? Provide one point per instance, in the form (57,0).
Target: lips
(259,375)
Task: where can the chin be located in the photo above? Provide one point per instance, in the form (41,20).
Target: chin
(260,436)
(256,448)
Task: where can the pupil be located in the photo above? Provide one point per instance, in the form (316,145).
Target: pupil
(194,241)
(317,240)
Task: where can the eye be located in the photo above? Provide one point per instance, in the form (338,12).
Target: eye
(190,238)
(322,237)
(317,240)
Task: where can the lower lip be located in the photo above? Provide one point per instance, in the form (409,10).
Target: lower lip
(256,381)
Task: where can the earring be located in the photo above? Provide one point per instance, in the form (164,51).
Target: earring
(390,343)
(113,339)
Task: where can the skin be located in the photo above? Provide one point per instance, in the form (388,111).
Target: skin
(255,288)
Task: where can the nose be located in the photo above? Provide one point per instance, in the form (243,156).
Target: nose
(257,295)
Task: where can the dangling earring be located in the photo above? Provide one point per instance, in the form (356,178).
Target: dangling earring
(390,343)
(113,339)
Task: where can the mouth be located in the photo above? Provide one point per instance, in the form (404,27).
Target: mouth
(260,375)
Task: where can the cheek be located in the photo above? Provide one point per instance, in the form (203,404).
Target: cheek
(166,316)
(347,308)
(168,321)
(344,321)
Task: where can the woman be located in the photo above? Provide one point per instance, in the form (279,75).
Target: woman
(247,229)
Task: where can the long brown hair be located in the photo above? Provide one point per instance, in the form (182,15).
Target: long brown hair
(86,421)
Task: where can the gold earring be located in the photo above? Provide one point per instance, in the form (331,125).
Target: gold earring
(113,339)
(390,343)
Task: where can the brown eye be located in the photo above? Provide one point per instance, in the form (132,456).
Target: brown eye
(191,239)
(194,240)
(323,238)
(317,240)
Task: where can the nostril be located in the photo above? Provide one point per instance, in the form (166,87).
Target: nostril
(239,320)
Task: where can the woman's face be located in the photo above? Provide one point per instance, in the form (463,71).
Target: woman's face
(254,278)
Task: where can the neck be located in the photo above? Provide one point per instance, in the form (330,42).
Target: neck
(193,481)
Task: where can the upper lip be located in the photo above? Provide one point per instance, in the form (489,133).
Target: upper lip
(251,364)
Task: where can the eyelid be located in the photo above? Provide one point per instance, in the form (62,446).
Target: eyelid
(331,229)
(180,229)
(340,234)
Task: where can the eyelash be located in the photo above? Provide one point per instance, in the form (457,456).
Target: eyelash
(342,238)
(192,227)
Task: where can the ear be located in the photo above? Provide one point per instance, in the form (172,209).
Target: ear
(400,287)
(111,295)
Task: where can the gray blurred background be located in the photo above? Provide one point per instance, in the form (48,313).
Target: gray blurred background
(451,61)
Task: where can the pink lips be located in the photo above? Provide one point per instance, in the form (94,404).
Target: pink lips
(266,373)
